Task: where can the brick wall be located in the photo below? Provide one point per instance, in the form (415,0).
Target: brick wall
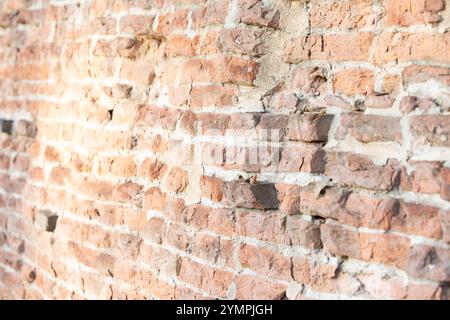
(229,149)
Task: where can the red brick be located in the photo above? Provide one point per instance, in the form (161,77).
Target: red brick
(209,15)
(340,241)
(342,14)
(380,101)
(142,72)
(247,195)
(317,200)
(429,262)
(226,69)
(419,74)
(213,249)
(411,103)
(254,12)
(310,80)
(155,199)
(177,180)
(308,127)
(301,232)
(369,128)
(179,45)
(445,187)
(306,158)
(212,188)
(121,47)
(215,281)
(387,249)
(418,219)
(358,170)
(171,22)
(261,226)
(178,237)
(404,47)
(370,212)
(102,262)
(354,81)
(155,230)
(149,115)
(241,41)
(152,169)
(218,96)
(431,130)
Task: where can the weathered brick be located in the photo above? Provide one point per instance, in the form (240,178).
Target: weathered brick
(342,14)
(370,212)
(46,220)
(351,47)
(265,261)
(310,80)
(431,130)
(247,195)
(387,249)
(369,128)
(269,198)
(215,281)
(102,262)
(152,169)
(429,262)
(155,199)
(262,226)
(213,249)
(403,47)
(445,187)
(354,81)
(122,47)
(177,180)
(212,14)
(323,201)
(411,12)
(324,277)
(241,41)
(136,24)
(254,12)
(303,233)
(212,188)
(227,70)
(207,96)
(302,159)
(254,288)
(172,21)
(358,170)
(419,74)
(418,219)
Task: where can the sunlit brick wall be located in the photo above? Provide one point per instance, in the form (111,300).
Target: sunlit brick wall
(233,149)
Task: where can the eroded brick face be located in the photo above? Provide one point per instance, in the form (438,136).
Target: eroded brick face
(235,149)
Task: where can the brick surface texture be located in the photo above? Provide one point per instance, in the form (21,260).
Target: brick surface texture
(104,195)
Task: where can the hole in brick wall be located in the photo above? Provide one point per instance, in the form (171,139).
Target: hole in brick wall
(110,112)
(6,126)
